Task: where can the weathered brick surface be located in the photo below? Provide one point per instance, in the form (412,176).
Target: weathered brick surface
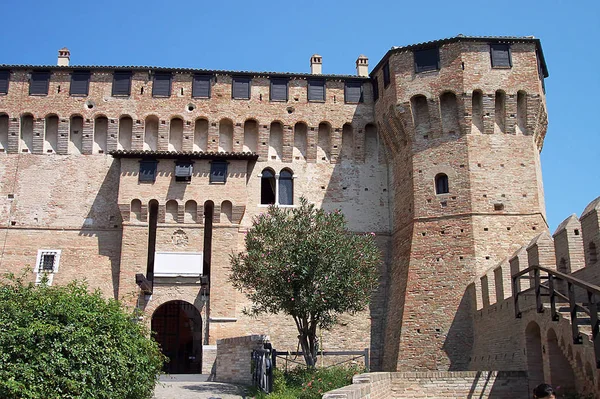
(234,358)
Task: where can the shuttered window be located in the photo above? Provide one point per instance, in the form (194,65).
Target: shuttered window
(201,86)
(183,171)
(240,88)
(386,75)
(38,85)
(375,89)
(148,170)
(279,89)
(218,172)
(4,78)
(80,83)
(500,54)
(427,60)
(121,83)
(161,85)
(316,90)
(353,92)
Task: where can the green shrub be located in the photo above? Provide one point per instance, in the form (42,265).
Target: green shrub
(309,383)
(64,342)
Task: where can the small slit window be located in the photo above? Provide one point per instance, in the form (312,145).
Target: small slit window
(441,184)
(375,89)
(240,88)
(183,171)
(201,86)
(218,172)
(148,171)
(500,55)
(316,90)
(80,83)
(279,89)
(386,75)
(161,85)
(353,92)
(121,83)
(38,84)
(4,79)
(427,60)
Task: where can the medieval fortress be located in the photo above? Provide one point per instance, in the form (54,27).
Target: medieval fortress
(143,180)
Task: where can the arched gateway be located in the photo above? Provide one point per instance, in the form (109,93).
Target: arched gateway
(177,326)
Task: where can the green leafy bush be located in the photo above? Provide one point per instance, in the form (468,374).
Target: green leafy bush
(309,383)
(64,342)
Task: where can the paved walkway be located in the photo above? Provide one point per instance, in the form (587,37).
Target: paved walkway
(194,386)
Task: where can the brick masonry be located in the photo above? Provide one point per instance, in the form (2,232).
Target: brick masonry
(234,358)
(376,161)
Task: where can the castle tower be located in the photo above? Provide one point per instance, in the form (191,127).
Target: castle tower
(464,121)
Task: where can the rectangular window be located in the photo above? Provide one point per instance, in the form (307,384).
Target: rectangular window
(46,265)
(386,75)
(218,172)
(427,60)
(375,89)
(279,89)
(316,90)
(148,171)
(240,88)
(121,83)
(38,84)
(4,78)
(500,55)
(201,86)
(80,83)
(353,92)
(183,171)
(161,85)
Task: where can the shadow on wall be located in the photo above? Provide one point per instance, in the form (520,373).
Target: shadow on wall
(459,341)
(104,222)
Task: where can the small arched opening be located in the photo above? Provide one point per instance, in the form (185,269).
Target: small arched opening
(176,134)
(300,141)
(225,135)
(535,362)
(26,133)
(51,134)
(276,141)
(441,184)
(171,211)
(136,210)
(200,135)
(177,326)
(477,109)
(125,133)
(250,136)
(100,134)
(324,143)
(561,373)
(191,212)
(3,133)
(76,135)
(151,133)
(226,212)
(286,187)
(267,187)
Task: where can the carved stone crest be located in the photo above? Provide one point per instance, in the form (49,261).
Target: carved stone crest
(179,238)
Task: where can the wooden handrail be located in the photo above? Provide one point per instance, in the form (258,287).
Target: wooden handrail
(590,287)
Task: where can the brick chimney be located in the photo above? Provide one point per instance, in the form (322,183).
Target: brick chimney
(64,55)
(362,66)
(316,64)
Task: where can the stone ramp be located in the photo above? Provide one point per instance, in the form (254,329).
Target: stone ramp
(195,386)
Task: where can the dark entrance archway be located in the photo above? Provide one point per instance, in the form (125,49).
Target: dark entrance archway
(178,330)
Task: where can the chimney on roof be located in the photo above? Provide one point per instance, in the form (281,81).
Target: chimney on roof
(362,66)
(316,64)
(64,55)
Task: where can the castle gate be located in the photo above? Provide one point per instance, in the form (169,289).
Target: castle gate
(178,330)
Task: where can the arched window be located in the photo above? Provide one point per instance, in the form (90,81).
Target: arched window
(286,188)
(277,189)
(267,187)
(441,184)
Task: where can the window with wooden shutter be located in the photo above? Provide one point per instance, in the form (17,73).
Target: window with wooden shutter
(218,172)
(240,88)
(316,90)
(38,84)
(121,83)
(161,85)
(183,171)
(500,55)
(375,89)
(353,92)
(201,86)
(386,75)
(4,78)
(427,59)
(80,82)
(279,89)
(148,170)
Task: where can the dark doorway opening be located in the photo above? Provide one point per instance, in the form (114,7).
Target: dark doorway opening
(178,330)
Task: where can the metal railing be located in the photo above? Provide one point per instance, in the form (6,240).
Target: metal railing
(545,286)
(263,364)
(285,356)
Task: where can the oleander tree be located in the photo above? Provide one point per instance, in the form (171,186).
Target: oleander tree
(304,262)
(67,342)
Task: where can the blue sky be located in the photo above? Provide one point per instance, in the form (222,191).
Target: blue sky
(281,36)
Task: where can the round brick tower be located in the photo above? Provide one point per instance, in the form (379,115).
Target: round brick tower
(464,121)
